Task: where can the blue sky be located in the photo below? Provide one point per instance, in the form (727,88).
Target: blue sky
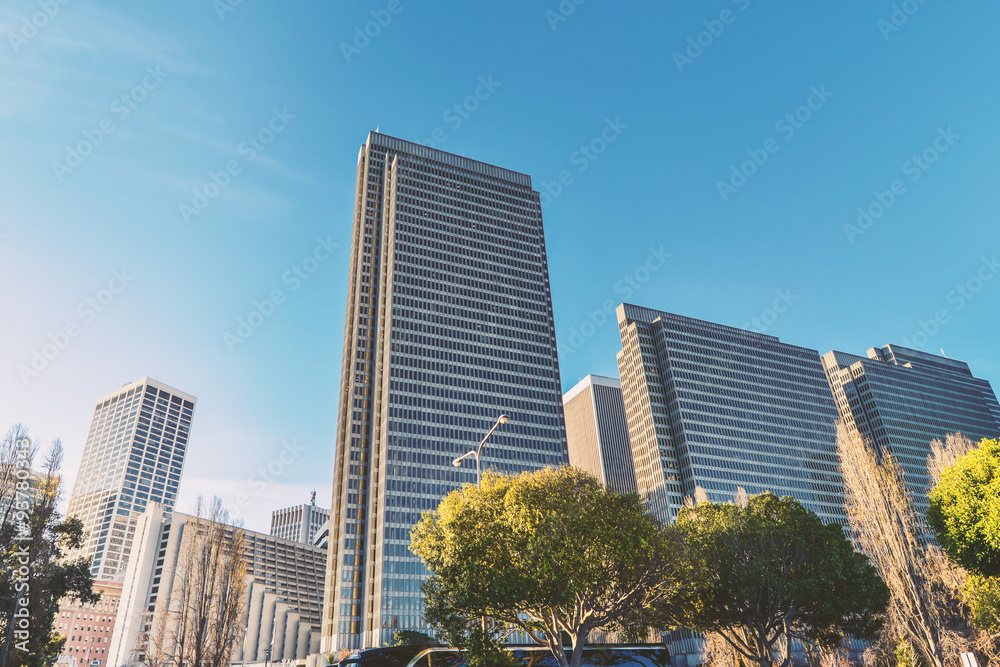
(115,116)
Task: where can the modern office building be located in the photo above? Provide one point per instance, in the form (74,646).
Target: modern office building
(597,432)
(721,408)
(299,523)
(449,324)
(900,399)
(322,536)
(283,595)
(87,627)
(134,455)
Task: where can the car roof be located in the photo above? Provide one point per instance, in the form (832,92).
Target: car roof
(535,647)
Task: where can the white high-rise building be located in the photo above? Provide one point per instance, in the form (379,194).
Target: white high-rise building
(134,455)
(299,523)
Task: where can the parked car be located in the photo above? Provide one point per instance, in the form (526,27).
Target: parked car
(636,655)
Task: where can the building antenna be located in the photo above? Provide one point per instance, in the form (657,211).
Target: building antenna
(312,499)
(943,354)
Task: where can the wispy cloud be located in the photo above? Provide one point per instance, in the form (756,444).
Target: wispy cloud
(46,69)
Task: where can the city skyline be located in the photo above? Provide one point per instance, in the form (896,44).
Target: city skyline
(203,239)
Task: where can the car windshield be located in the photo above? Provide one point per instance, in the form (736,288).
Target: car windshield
(398,656)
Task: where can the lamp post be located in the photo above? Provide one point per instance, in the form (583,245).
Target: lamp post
(477,452)
(502,419)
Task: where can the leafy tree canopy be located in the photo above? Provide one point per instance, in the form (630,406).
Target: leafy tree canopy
(412,638)
(770,571)
(546,552)
(964,510)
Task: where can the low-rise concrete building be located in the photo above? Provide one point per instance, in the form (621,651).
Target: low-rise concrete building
(88,627)
(283,597)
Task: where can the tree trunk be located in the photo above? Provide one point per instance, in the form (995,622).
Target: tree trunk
(579,641)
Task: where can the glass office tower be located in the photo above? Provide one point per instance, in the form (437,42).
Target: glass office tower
(900,399)
(134,455)
(597,432)
(449,324)
(720,408)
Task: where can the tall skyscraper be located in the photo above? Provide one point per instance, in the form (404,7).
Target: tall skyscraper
(597,432)
(449,323)
(721,408)
(299,523)
(901,399)
(134,455)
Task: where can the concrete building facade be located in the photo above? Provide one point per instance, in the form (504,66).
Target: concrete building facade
(448,325)
(283,595)
(597,432)
(88,627)
(299,523)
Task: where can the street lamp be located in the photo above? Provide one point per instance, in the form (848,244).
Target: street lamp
(502,419)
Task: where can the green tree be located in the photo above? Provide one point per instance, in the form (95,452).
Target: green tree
(545,552)
(770,572)
(33,539)
(906,655)
(483,639)
(964,510)
(411,638)
(982,594)
(964,513)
